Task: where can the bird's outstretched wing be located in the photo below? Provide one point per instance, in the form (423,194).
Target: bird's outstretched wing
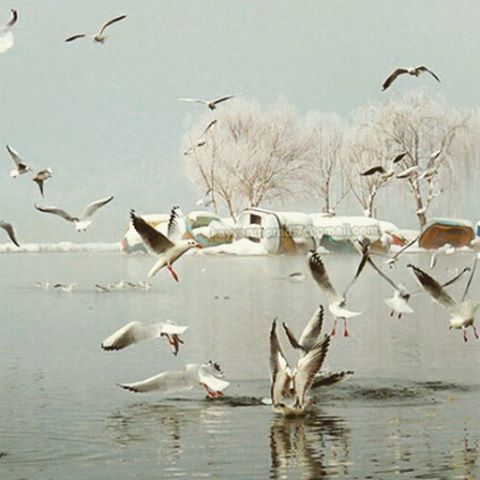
(163,382)
(424,69)
(222,99)
(433,287)
(176,224)
(111,22)
(391,78)
(91,208)
(279,371)
(19,162)
(399,157)
(75,37)
(194,100)
(8,227)
(371,171)
(307,367)
(470,279)
(209,126)
(13,20)
(361,266)
(57,211)
(158,242)
(320,275)
(310,333)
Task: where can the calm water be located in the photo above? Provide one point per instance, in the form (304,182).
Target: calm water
(409,411)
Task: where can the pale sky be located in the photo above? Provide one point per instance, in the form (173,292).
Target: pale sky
(106,118)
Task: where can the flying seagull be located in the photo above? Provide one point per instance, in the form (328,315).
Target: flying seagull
(309,338)
(381,170)
(414,71)
(462,314)
(135,332)
(8,227)
(64,287)
(211,104)
(285,381)
(169,248)
(6,35)
(41,176)
(336,302)
(20,165)
(81,222)
(207,375)
(99,37)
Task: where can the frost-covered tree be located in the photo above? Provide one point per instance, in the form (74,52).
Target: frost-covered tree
(437,142)
(323,173)
(251,156)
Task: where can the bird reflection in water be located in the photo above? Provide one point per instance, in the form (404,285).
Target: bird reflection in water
(315,444)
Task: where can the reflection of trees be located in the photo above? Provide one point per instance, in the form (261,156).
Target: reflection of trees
(317,445)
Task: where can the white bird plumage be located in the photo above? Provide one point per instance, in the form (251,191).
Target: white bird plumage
(6,35)
(99,37)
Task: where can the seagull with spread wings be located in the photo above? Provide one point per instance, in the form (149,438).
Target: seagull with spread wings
(169,248)
(206,375)
(413,71)
(462,314)
(308,339)
(135,332)
(336,302)
(211,104)
(98,37)
(8,227)
(286,382)
(82,221)
(6,35)
(20,166)
(382,171)
(40,178)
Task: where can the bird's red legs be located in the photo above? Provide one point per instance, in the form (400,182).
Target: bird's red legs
(173,272)
(211,393)
(465,339)
(334,328)
(475,331)
(345,329)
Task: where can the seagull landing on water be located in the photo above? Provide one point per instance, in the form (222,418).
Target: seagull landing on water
(336,302)
(6,35)
(20,165)
(8,227)
(462,315)
(99,37)
(81,222)
(41,176)
(206,375)
(135,332)
(170,248)
(413,71)
(309,338)
(211,104)
(287,383)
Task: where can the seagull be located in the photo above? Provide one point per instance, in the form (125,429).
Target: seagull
(207,375)
(8,227)
(99,37)
(65,288)
(41,176)
(102,288)
(135,332)
(169,248)
(285,382)
(43,285)
(382,171)
(20,165)
(414,71)
(6,35)
(296,277)
(408,172)
(309,338)
(336,302)
(432,168)
(201,141)
(462,315)
(83,221)
(211,104)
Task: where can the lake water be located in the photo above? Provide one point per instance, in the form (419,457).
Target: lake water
(409,411)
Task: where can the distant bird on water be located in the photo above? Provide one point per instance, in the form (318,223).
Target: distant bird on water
(20,166)
(414,71)
(6,35)
(41,176)
(211,104)
(169,248)
(81,222)
(8,227)
(98,37)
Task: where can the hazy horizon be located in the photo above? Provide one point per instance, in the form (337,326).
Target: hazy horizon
(106,118)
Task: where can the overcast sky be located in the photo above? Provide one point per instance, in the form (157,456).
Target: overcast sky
(106,119)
